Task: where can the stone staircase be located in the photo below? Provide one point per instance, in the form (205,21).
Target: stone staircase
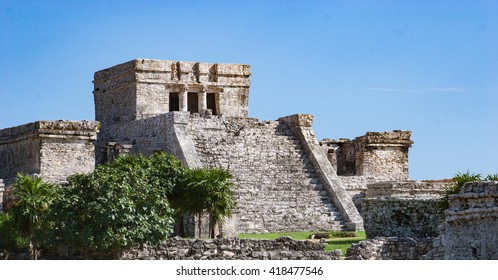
(277,187)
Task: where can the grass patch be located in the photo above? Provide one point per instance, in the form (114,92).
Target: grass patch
(339,239)
(344,243)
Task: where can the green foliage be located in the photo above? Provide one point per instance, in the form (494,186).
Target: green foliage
(206,190)
(492,177)
(118,206)
(10,240)
(33,197)
(462,178)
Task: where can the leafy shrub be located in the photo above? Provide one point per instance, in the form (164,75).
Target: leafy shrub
(118,206)
(32,196)
(492,177)
(460,179)
(205,190)
(10,240)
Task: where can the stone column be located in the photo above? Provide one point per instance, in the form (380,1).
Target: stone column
(183,98)
(203,100)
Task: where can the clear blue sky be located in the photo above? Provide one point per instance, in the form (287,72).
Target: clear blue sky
(426,66)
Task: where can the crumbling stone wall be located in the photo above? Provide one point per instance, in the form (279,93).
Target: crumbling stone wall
(390,248)
(371,158)
(284,248)
(403,208)
(375,154)
(53,149)
(471,224)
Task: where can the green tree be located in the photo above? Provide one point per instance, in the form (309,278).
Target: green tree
(220,200)
(10,240)
(206,190)
(118,206)
(32,197)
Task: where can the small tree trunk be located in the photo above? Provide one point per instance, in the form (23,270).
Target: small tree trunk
(199,222)
(31,250)
(212,225)
(181,226)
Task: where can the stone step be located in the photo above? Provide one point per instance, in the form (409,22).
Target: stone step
(270,166)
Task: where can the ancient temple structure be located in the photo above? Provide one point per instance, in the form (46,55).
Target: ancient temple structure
(286,180)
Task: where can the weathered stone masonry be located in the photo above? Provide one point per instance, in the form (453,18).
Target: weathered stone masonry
(470,230)
(53,149)
(376,154)
(283,248)
(390,248)
(278,185)
(403,209)
(371,158)
(142,88)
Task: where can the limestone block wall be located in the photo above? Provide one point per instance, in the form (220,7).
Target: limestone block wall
(144,136)
(403,208)
(385,154)
(390,248)
(356,186)
(278,188)
(471,228)
(284,248)
(19,150)
(143,88)
(53,149)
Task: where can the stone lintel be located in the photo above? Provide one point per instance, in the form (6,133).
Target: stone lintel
(395,138)
(193,87)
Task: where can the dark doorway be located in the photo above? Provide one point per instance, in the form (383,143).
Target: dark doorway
(211,103)
(174,102)
(193,102)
